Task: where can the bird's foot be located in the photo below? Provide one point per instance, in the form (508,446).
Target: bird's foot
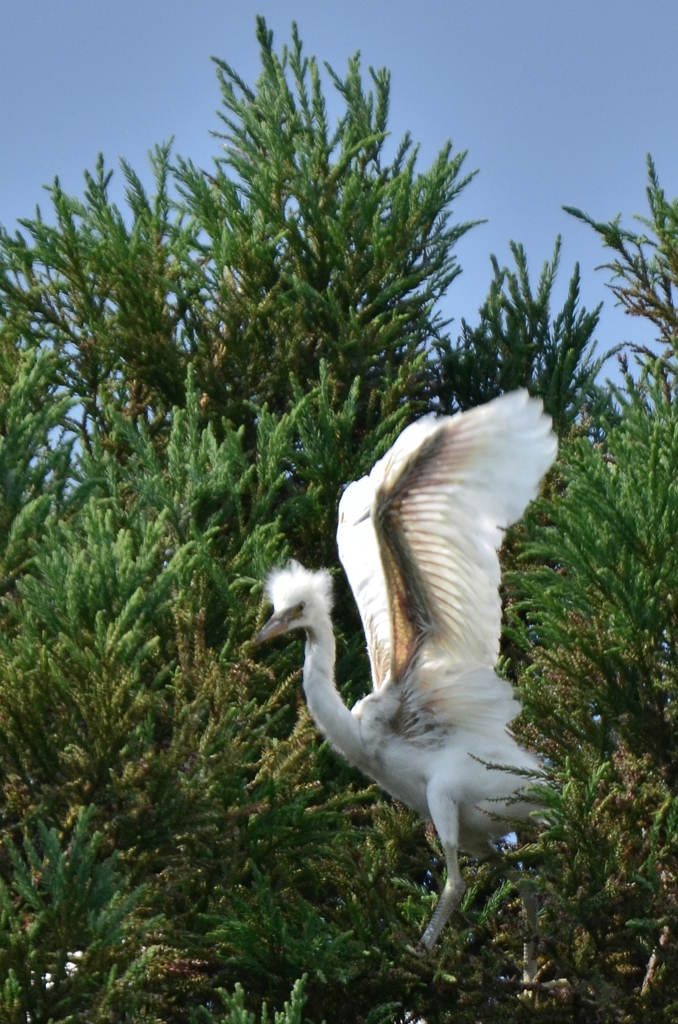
(420,950)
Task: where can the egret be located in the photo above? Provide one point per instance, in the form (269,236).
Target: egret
(418,538)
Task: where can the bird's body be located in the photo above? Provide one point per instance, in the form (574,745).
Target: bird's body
(409,753)
(418,539)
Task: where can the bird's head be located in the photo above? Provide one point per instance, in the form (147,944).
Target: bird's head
(299,598)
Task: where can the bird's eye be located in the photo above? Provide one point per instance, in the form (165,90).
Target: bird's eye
(300,608)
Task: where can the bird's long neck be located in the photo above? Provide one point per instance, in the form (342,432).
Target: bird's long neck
(326,706)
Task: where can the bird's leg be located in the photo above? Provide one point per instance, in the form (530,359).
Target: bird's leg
(528,894)
(527,889)
(444,813)
(449,900)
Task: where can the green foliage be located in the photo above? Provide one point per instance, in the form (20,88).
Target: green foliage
(316,247)
(34,465)
(237,1014)
(68,943)
(644,266)
(99,293)
(302,245)
(600,702)
(517,344)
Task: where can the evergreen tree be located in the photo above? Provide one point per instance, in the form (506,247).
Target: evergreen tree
(185,386)
(643,268)
(599,622)
(516,344)
(303,244)
(67,944)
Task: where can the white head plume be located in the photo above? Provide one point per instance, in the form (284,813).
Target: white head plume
(294,584)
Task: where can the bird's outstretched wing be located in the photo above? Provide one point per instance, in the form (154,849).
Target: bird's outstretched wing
(446,491)
(418,537)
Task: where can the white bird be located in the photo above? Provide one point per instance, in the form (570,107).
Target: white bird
(418,539)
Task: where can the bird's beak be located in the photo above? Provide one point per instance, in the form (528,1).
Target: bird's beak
(277,624)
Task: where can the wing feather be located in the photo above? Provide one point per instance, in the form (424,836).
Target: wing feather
(443,496)
(359,554)
(418,537)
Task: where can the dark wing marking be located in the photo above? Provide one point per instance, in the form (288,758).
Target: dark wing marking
(410,600)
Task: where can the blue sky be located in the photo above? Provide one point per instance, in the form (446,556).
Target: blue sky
(556,102)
